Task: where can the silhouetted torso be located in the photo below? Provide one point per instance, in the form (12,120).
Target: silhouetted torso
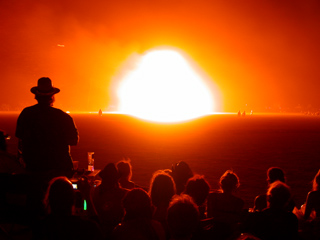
(46,134)
(225,207)
(273,224)
(108,204)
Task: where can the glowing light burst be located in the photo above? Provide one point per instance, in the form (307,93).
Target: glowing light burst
(164,88)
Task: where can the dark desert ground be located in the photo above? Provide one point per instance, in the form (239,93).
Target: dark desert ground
(210,145)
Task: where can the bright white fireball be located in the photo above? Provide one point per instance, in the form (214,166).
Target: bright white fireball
(164,87)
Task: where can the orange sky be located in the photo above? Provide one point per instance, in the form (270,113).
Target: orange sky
(259,53)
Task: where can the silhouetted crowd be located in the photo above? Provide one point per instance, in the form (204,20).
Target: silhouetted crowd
(46,199)
(177,205)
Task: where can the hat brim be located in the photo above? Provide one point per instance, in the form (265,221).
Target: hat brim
(53,91)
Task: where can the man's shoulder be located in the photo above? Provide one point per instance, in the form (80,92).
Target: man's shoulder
(29,108)
(38,108)
(35,111)
(28,111)
(58,110)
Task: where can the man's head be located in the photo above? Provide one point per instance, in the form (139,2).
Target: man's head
(44,91)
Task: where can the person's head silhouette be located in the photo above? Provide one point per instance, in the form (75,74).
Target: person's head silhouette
(137,204)
(60,196)
(198,188)
(278,195)
(274,174)
(162,188)
(125,169)
(183,217)
(229,181)
(44,92)
(109,175)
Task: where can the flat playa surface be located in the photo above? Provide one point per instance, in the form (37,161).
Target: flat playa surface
(210,145)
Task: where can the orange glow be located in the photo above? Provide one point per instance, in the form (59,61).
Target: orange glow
(260,63)
(164,87)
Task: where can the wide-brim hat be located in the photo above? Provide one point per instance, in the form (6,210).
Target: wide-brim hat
(45,87)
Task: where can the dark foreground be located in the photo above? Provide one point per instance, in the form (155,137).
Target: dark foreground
(210,145)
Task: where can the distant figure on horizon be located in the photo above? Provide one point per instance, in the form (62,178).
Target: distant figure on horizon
(100,112)
(45,133)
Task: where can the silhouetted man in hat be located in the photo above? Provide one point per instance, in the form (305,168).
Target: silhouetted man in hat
(46,133)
